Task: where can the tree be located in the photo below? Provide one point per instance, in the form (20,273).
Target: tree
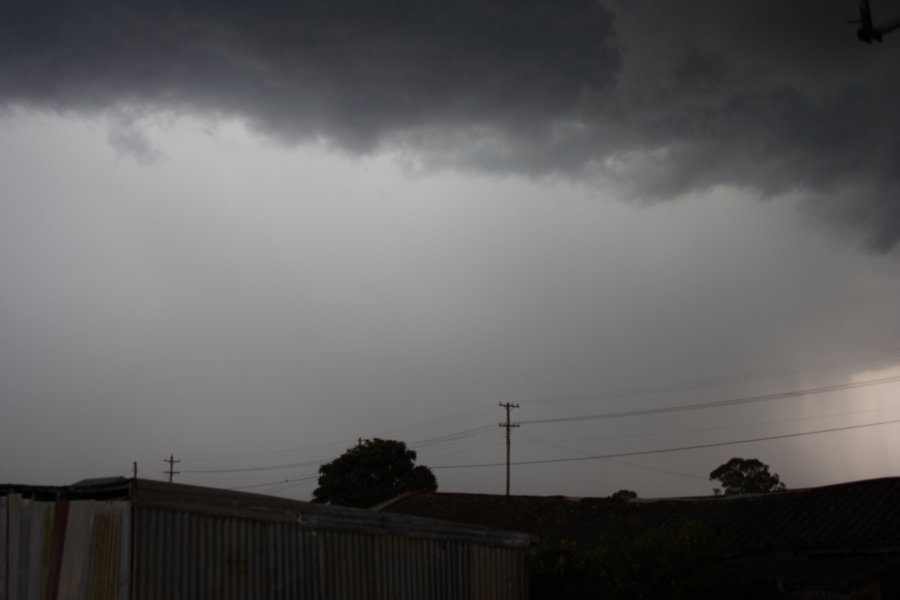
(370,473)
(624,495)
(746,476)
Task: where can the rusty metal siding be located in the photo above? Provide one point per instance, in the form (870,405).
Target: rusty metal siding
(64,550)
(181,555)
(25,523)
(106,557)
(148,541)
(5,555)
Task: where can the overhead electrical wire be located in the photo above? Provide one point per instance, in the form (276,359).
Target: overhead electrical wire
(620,414)
(280,490)
(480,430)
(675,449)
(854,359)
(314,462)
(279,482)
(476,446)
(442,421)
(231,456)
(617,461)
(715,403)
(271,483)
(724,427)
(451,436)
(257,468)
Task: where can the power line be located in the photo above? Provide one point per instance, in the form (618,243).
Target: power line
(450,437)
(690,384)
(676,449)
(431,441)
(278,482)
(347,443)
(259,468)
(716,403)
(283,488)
(441,421)
(724,427)
(487,439)
(230,456)
(492,443)
(617,461)
(471,432)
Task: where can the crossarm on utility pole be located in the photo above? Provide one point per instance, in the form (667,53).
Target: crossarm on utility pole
(172,462)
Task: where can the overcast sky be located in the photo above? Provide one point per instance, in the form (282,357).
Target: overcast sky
(250,234)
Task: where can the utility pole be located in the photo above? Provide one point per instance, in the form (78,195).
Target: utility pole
(134,469)
(508,406)
(172,462)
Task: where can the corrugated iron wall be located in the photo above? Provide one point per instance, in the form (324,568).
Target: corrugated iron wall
(4,554)
(187,556)
(82,550)
(64,550)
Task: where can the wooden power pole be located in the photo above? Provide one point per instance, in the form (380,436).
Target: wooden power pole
(508,425)
(172,462)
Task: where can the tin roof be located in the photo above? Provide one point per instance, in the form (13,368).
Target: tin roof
(228,503)
(847,516)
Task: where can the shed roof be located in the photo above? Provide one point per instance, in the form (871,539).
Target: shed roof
(145,493)
(848,516)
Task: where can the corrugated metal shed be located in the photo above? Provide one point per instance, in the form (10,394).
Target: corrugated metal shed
(843,517)
(827,542)
(63,549)
(145,540)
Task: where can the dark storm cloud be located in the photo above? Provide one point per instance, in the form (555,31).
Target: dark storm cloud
(664,98)
(351,71)
(778,97)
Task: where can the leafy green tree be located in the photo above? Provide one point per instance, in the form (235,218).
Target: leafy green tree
(370,473)
(746,476)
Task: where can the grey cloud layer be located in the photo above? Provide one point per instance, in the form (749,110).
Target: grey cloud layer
(664,98)
(352,71)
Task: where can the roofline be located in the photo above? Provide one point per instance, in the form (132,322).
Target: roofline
(396,499)
(177,497)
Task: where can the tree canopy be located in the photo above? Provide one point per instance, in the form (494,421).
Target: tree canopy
(746,476)
(624,495)
(371,472)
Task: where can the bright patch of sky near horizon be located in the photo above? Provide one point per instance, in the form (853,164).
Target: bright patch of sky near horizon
(235,298)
